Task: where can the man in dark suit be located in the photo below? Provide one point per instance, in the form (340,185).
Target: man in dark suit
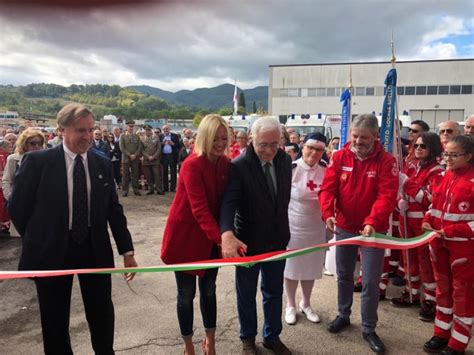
(99,145)
(169,159)
(254,220)
(62,200)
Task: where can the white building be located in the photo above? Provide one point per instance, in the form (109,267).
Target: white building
(432,90)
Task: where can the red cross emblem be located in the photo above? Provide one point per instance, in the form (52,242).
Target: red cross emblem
(311,185)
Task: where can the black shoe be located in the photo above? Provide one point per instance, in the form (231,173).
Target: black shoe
(398,281)
(338,324)
(150,192)
(249,347)
(173,190)
(376,345)
(435,345)
(404,301)
(451,351)
(358,287)
(125,194)
(276,346)
(428,311)
(137,192)
(382,296)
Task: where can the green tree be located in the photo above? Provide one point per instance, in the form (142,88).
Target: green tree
(225,111)
(197,120)
(254,107)
(241,102)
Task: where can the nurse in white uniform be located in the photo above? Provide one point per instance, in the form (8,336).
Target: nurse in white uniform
(306,227)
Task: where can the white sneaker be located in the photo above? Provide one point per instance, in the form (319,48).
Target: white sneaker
(290,315)
(309,313)
(328,273)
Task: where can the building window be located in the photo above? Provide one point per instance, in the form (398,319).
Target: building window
(283,92)
(432,90)
(331,92)
(304,92)
(410,90)
(421,90)
(455,90)
(321,92)
(369,91)
(293,92)
(443,90)
(400,90)
(311,92)
(466,89)
(359,92)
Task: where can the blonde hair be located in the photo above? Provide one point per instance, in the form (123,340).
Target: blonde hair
(72,113)
(23,138)
(206,134)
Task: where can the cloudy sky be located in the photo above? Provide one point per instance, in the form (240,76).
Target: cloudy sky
(178,45)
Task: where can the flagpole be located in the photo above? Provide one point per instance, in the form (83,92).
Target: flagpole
(393,60)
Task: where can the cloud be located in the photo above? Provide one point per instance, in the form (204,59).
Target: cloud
(187,44)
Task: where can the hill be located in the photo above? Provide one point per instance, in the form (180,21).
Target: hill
(211,98)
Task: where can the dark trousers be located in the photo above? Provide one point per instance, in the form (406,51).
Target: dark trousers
(117,164)
(54,297)
(207,300)
(272,292)
(169,161)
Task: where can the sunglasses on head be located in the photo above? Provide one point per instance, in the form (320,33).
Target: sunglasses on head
(413,130)
(421,146)
(447,131)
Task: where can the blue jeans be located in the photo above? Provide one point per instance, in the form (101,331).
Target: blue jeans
(272,291)
(207,300)
(372,267)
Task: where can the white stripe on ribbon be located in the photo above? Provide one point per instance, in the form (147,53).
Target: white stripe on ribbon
(393,263)
(444,310)
(457,239)
(459,337)
(464,320)
(443,325)
(430,285)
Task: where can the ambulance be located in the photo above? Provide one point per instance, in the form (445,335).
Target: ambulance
(329,125)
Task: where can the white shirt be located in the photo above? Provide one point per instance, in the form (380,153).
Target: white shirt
(69,158)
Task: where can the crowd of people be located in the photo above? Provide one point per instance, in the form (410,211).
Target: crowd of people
(242,194)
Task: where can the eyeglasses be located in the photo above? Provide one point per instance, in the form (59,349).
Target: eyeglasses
(35,143)
(413,130)
(447,131)
(453,156)
(272,146)
(421,146)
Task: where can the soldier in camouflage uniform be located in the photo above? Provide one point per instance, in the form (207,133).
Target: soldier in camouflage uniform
(151,151)
(130,145)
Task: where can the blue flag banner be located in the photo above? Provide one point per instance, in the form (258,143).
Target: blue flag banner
(345,117)
(388,112)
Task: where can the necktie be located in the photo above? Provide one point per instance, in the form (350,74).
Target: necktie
(79,202)
(269,179)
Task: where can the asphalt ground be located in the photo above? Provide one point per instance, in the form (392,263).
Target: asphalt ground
(145,312)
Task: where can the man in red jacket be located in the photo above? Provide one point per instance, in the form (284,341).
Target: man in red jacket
(357,196)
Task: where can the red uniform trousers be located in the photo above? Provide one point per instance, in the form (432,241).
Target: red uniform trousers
(453,263)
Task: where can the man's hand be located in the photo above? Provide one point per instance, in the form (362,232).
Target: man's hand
(331,224)
(230,245)
(129,261)
(150,158)
(368,231)
(132,156)
(426,226)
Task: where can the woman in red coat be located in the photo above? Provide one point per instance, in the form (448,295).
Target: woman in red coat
(451,215)
(192,230)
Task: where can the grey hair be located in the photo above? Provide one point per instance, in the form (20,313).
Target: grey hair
(265,123)
(366,121)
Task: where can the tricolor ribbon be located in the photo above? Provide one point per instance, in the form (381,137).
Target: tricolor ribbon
(380,241)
